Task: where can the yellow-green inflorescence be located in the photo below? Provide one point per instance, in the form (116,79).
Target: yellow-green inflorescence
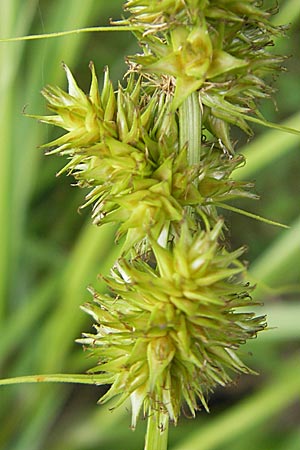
(218,47)
(168,335)
(168,332)
(125,146)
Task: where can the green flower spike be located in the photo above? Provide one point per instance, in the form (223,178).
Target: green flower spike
(189,57)
(87,118)
(216,47)
(124,146)
(168,335)
(156,16)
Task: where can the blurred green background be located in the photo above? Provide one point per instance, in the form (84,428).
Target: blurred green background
(49,253)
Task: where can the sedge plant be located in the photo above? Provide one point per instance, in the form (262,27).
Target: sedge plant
(157,156)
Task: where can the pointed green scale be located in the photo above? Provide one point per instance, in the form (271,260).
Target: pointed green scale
(94,89)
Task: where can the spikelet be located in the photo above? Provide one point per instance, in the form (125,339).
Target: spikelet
(166,336)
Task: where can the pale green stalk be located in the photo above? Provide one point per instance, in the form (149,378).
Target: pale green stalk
(190,136)
(53,378)
(190,127)
(70,32)
(157,434)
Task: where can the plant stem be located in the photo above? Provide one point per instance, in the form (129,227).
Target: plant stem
(67,33)
(190,125)
(190,136)
(157,433)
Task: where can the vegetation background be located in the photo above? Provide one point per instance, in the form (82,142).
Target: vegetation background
(49,253)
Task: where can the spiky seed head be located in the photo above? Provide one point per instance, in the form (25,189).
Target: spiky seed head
(124,146)
(169,335)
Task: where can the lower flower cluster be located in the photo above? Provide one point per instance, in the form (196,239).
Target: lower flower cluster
(168,333)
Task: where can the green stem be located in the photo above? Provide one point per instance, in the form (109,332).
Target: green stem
(69,32)
(157,433)
(189,136)
(52,378)
(190,125)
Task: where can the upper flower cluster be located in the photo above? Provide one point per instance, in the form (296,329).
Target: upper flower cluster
(163,14)
(219,47)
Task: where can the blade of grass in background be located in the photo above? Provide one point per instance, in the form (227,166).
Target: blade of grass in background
(44,66)
(289,13)
(272,266)
(23,160)
(268,148)
(9,60)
